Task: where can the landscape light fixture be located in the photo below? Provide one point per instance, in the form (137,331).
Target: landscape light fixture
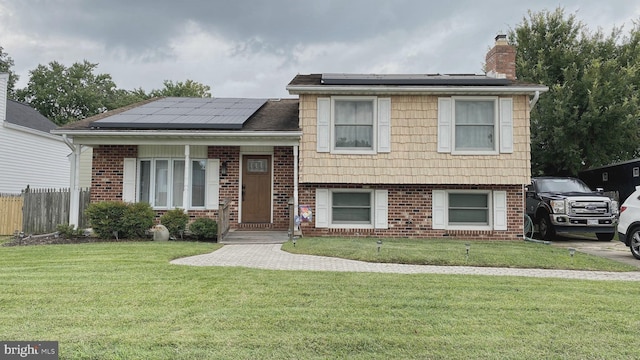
(295,238)
(379,242)
(467,247)
(572,252)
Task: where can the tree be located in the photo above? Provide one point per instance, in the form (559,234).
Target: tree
(188,88)
(68,94)
(6,63)
(590,115)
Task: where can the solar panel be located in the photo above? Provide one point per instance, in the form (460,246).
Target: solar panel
(186,113)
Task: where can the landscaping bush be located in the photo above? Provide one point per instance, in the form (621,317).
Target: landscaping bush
(68,231)
(175,221)
(106,217)
(137,220)
(129,220)
(204,228)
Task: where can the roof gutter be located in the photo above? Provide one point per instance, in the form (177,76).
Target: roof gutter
(68,142)
(409,90)
(194,133)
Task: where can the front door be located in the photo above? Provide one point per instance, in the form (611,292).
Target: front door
(256,188)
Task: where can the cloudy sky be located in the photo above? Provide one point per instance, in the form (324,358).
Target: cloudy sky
(244,48)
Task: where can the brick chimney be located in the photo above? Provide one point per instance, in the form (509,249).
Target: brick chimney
(501,60)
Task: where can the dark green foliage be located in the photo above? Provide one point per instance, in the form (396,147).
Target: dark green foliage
(138,219)
(175,221)
(589,117)
(204,228)
(128,220)
(188,88)
(69,231)
(106,217)
(6,62)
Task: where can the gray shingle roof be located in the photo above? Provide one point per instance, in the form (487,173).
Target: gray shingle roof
(24,115)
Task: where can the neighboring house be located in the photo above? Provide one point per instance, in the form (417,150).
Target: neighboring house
(29,154)
(373,155)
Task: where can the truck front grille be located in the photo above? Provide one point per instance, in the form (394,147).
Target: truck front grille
(589,208)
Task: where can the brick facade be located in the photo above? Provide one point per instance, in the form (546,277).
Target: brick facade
(107,177)
(409,212)
(107,171)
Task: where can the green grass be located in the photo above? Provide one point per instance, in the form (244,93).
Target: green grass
(125,301)
(516,254)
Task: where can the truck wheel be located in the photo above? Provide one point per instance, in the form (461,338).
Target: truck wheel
(547,232)
(605,236)
(634,242)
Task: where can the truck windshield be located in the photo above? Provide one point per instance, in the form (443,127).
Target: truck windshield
(561,185)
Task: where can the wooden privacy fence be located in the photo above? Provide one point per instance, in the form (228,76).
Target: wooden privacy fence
(10,213)
(44,209)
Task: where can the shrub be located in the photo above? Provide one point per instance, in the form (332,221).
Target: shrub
(175,221)
(106,217)
(204,228)
(68,231)
(129,220)
(137,220)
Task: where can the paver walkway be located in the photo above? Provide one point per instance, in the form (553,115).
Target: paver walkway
(271,257)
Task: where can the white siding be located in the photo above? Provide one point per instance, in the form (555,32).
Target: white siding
(86,160)
(174,151)
(29,159)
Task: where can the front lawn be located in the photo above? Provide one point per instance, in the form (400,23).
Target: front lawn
(516,254)
(125,301)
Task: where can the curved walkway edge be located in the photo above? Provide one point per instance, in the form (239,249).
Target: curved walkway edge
(271,257)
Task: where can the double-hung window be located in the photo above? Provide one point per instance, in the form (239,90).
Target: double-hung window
(475,125)
(351,207)
(161,182)
(469,209)
(353,124)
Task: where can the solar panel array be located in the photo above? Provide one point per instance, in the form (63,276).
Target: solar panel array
(186,113)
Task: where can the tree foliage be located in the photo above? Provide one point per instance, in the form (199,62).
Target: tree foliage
(6,62)
(589,117)
(188,88)
(67,94)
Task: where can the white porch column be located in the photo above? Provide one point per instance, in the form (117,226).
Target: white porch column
(295,180)
(74,188)
(187,177)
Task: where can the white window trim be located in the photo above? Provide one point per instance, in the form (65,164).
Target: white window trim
(379,202)
(496,123)
(374,125)
(152,185)
(352,226)
(449,226)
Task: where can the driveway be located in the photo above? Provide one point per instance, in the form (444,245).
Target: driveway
(588,244)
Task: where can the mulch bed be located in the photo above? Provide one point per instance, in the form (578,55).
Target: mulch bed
(51,239)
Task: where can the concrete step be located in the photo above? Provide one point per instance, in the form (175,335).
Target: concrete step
(255,237)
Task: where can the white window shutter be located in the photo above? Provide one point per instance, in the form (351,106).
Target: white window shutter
(445,122)
(129,180)
(322,208)
(500,210)
(506,125)
(213,184)
(324,125)
(381,209)
(438,209)
(384,125)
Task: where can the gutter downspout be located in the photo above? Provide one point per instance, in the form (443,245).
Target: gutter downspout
(533,101)
(74,183)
